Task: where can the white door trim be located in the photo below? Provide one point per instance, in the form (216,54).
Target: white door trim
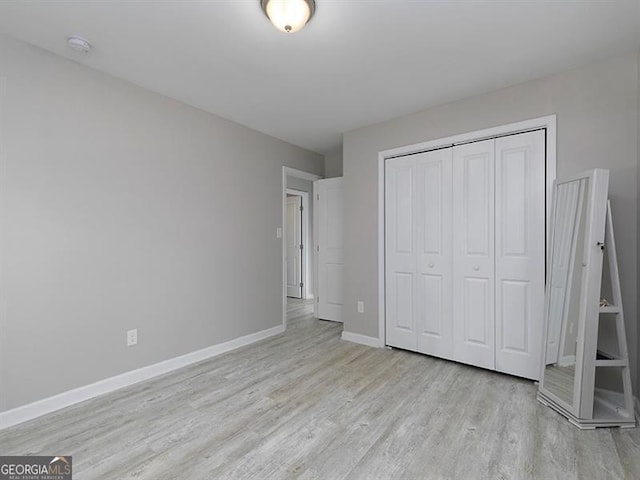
(291,172)
(548,122)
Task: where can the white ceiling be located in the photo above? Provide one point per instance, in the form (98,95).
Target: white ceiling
(356,63)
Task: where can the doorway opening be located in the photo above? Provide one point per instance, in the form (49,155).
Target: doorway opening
(297,234)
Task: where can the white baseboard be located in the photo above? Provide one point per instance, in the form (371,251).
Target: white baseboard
(71,397)
(362,339)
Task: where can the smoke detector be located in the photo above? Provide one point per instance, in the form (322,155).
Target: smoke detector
(79,44)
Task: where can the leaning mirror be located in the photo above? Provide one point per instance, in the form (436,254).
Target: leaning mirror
(571,199)
(573,354)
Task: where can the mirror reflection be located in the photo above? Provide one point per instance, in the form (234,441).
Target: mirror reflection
(565,280)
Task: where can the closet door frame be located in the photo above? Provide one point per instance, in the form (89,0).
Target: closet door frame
(547,122)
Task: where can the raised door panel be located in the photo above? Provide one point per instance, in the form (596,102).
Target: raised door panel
(334,219)
(401,286)
(335,285)
(520,253)
(433,294)
(330,254)
(477,327)
(400,253)
(473,254)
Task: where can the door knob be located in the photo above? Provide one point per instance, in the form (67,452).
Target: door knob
(431,265)
(476,268)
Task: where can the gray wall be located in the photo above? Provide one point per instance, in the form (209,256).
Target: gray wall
(124,209)
(597,116)
(333,163)
(638,231)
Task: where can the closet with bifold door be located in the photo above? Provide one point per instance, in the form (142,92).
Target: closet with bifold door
(465,252)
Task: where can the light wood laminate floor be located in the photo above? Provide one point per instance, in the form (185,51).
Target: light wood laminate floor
(308,405)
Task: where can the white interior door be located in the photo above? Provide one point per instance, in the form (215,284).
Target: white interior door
(400,253)
(520,253)
(329,206)
(465,252)
(473,254)
(294,246)
(433,206)
(418,252)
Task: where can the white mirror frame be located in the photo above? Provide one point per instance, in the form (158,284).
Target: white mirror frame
(589,310)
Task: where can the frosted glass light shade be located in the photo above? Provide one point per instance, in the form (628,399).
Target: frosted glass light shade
(288,15)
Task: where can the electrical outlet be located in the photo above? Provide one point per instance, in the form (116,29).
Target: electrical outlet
(360,307)
(279,232)
(132,337)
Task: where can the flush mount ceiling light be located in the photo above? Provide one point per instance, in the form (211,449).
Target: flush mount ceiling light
(288,15)
(79,44)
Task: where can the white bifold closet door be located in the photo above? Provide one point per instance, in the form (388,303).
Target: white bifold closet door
(473,253)
(418,252)
(520,253)
(465,252)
